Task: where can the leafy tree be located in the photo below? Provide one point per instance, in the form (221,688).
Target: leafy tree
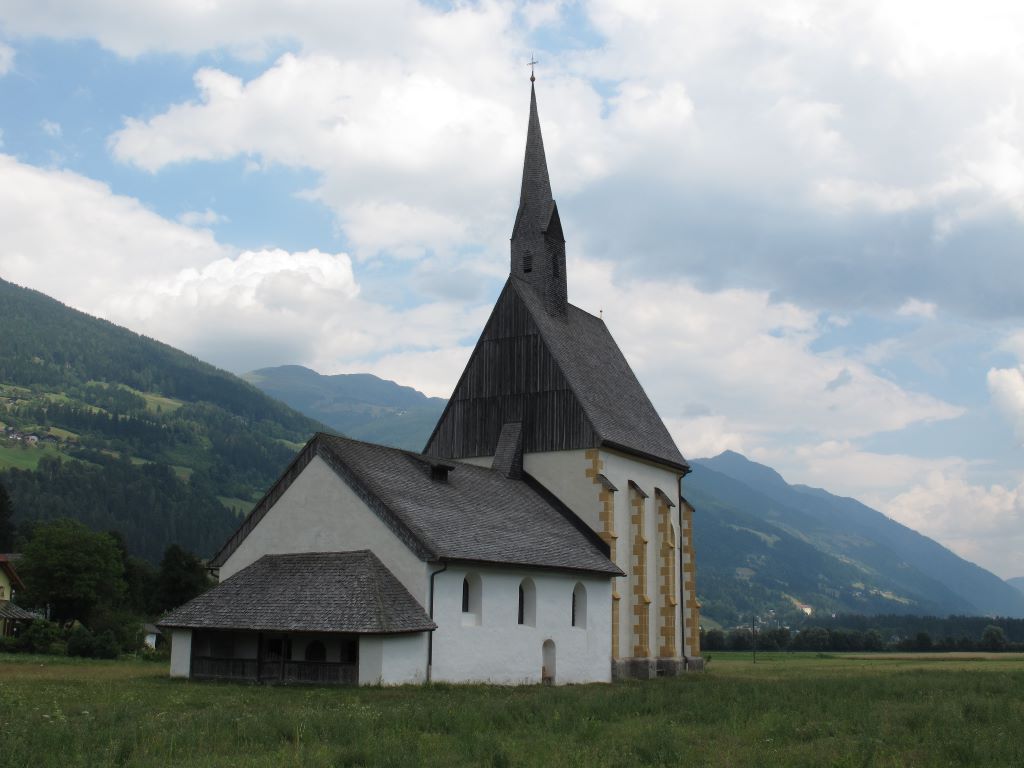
(873,641)
(713,640)
(993,638)
(811,639)
(72,570)
(6,524)
(140,580)
(182,576)
(739,640)
(84,643)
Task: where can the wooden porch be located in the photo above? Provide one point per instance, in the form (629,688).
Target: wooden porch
(276,671)
(275,658)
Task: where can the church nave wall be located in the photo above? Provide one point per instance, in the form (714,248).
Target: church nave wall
(494,647)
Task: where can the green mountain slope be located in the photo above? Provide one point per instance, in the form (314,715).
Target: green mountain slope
(896,569)
(358,404)
(126,433)
(746,563)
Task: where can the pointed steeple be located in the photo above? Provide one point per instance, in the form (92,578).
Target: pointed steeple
(538,246)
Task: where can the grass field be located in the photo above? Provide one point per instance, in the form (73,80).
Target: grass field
(240,507)
(14,456)
(787,710)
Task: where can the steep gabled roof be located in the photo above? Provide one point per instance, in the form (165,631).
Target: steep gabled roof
(542,362)
(611,395)
(562,376)
(309,592)
(474,514)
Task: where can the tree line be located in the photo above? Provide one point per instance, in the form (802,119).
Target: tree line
(875,634)
(91,595)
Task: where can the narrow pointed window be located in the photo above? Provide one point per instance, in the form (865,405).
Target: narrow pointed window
(465,595)
(521,602)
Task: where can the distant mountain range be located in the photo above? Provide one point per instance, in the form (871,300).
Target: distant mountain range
(1017,582)
(359,405)
(764,544)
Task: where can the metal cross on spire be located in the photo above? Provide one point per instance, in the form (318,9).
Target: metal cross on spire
(531,62)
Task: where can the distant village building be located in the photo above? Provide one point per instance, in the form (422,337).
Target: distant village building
(10,614)
(541,535)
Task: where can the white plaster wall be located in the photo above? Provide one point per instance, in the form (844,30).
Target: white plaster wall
(620,468)
(320,513)
(405,659)
(499,650)
(371,659)
(564,474)
(393,659)
(181,652)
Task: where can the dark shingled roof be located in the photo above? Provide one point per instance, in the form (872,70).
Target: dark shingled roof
(9,610)
(477,514)
(474,514)
(601,378)
(310,592)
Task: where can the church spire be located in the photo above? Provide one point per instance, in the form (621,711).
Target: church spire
(538,246)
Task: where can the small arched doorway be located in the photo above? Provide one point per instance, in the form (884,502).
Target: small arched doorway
(547,672)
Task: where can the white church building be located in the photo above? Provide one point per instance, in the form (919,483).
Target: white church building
(540,537)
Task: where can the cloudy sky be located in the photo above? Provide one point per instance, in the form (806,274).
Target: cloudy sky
(803,221)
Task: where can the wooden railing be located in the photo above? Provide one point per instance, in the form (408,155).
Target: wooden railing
(214,668)
(274,671)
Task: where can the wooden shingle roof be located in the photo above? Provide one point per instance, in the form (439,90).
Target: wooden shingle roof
(9,610)
(474,514)
(562,377)
(348,592)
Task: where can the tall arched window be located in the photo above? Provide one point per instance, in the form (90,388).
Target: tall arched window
(527,603)
(579,606)
(472,599)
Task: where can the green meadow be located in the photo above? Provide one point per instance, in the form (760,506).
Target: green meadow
(785,710)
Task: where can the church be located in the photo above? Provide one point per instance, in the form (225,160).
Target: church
(541,536)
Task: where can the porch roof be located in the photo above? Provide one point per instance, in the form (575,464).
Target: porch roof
(9,610)
(350,592)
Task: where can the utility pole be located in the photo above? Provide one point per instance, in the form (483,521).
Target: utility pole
(753,635)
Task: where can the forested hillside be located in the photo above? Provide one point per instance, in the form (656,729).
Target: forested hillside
(126,433)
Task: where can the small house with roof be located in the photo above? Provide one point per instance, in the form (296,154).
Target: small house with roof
(10,614)
(540,536)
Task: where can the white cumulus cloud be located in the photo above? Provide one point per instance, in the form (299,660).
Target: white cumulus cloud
(6,59)
(1006,385)
(917,308)
(204,218)
(984,524)
(51,128)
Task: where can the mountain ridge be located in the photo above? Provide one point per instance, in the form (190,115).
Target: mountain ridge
(903,561)
(360,405)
